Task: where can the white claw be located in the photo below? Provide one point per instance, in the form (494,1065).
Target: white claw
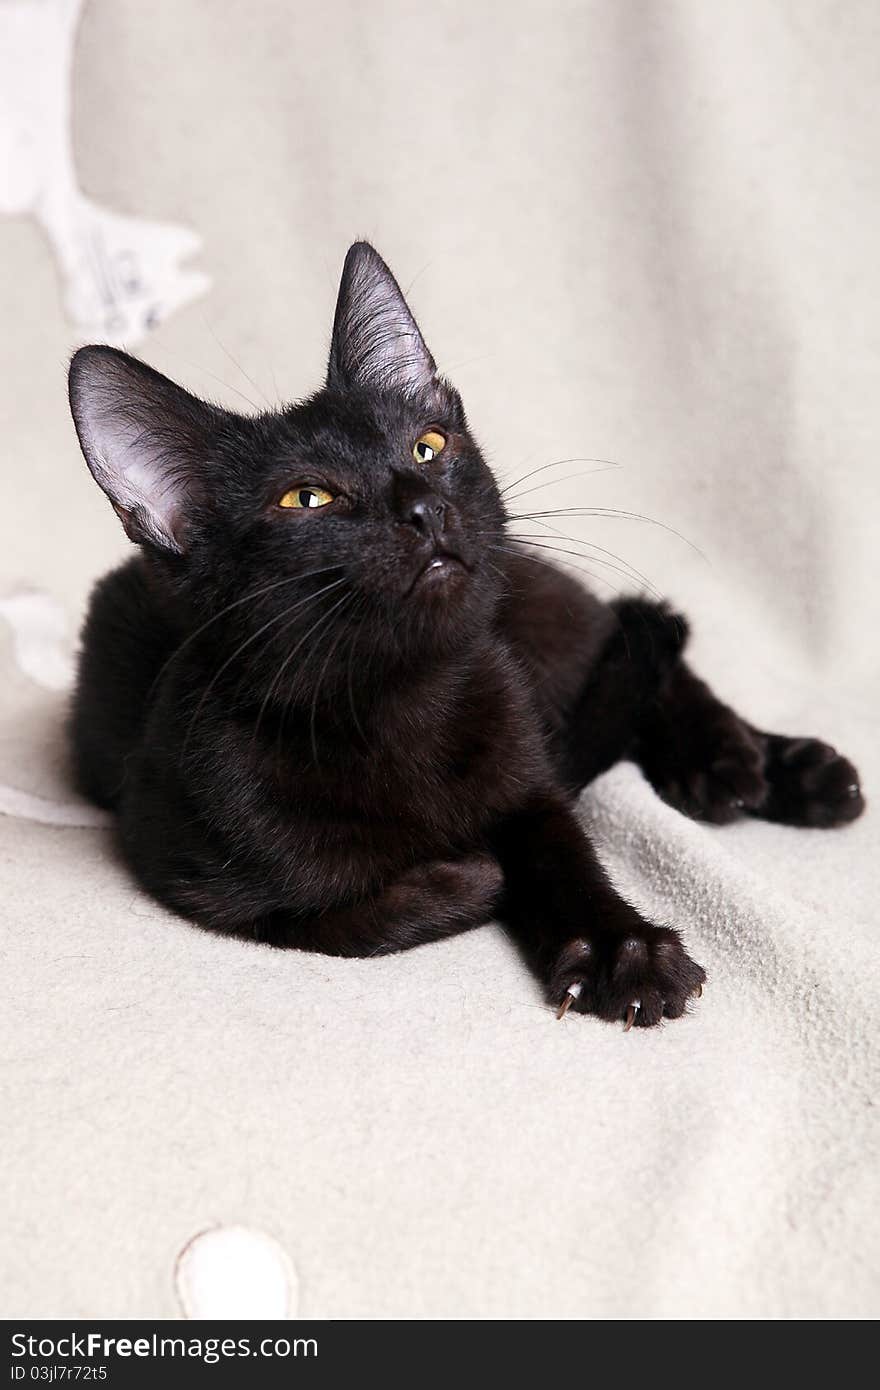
(631,1011)
(571,995)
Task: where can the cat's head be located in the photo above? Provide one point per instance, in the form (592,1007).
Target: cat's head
(372,491)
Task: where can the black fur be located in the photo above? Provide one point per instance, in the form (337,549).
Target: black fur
(311,740)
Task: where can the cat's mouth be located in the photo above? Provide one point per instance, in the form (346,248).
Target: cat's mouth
(439,569)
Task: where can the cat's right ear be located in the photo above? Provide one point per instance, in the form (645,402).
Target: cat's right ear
(376,342)
(144,439)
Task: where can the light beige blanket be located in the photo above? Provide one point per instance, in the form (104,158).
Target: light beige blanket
(642,232)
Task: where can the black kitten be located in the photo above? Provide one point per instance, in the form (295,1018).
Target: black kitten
(337,707)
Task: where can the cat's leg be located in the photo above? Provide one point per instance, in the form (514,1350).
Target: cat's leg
(641,700)
(592,951)
(708,762)
(620,691)
(597,668)
(429,902)
(699,755)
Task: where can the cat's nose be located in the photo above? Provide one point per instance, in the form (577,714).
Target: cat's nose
(427,515)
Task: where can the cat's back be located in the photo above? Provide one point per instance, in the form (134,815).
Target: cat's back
(124,642)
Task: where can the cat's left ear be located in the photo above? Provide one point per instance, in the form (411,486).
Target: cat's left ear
(376,341)
(146,441)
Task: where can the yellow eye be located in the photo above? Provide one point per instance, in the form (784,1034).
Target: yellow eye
(428,445)
(302,497)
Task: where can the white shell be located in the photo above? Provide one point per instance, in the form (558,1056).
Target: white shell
(235,1272)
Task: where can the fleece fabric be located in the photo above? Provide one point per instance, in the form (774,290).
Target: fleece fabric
(644,234)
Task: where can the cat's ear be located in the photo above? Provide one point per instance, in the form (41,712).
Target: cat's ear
(376,341)
(144,439)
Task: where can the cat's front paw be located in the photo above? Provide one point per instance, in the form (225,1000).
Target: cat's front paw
(712,771)
(810,783)
(637,978)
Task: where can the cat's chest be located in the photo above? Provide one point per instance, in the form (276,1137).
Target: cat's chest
(434,778)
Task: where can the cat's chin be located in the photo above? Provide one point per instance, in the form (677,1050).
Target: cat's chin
(442,573)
